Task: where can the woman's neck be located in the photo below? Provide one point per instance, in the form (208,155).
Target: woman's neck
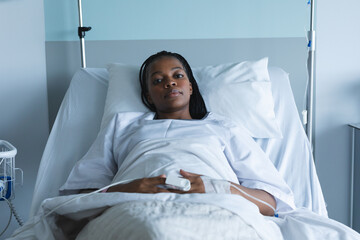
(175,115)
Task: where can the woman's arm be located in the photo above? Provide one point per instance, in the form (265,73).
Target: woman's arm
(87,190)
(144,185)
(197,186)
(259,194)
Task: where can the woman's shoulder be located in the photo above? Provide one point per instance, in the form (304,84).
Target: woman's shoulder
(220,119)
(228,123)
(125,119)
(133,116)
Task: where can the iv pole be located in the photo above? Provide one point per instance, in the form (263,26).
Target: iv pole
(311,46)
(81,32)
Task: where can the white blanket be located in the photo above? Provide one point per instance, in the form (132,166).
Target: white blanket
(190,216)
(153,157)
(68,219)
(167,220)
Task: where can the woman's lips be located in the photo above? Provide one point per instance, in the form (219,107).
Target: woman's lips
(173,93)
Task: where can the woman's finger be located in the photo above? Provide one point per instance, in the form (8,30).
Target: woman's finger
(158,180)
(188,174)
(161,190)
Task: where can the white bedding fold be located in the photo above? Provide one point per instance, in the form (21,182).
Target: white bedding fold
(153,220)
(78,209)
(201,155)
(296,225)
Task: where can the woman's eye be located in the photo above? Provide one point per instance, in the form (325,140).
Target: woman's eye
(156,81)
(179,75)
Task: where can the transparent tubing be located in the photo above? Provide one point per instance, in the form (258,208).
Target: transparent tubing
(126,181)
(256,199)
(74,199)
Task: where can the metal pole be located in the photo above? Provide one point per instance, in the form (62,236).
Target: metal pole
(82,40)
(311,46)
(352,177)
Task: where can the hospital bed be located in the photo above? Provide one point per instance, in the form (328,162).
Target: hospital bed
(77,125)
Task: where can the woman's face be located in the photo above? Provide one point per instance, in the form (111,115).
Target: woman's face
(169,88)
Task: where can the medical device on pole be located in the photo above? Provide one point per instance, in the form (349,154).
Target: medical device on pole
(7,178)
(81,32)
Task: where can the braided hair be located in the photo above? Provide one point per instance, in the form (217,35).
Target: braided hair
(197,105)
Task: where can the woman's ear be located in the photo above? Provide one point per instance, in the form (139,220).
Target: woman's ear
(149,98)
(191,89)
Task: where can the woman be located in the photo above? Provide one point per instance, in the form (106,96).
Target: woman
(179,112)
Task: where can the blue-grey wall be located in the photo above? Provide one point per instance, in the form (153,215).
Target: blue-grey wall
(337,99)
(171,19)
(23,94)
(275,29)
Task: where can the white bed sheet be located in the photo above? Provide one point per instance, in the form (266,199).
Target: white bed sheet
(292,154)
(75,128)
(160,216)
(73,133)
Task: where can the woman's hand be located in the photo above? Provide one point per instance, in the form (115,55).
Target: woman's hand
(197,185)
(144,185)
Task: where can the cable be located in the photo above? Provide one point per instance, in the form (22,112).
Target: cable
(10,217)
(256,199)
(126,181)
(75,198)
(81,196)
(16,215)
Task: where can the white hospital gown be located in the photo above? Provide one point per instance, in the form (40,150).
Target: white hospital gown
(134,145)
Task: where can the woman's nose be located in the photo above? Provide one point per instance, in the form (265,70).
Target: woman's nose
(170,83)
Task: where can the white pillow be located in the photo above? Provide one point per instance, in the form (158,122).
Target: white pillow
(240,91)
